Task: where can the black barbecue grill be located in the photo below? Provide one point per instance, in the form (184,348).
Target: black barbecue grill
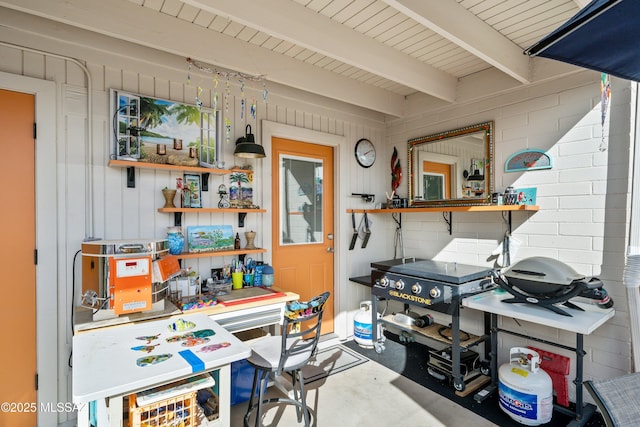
(548,283)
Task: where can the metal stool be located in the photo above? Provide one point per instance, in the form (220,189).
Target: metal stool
(289,352)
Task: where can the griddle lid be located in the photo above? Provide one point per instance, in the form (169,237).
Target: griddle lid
(543,270)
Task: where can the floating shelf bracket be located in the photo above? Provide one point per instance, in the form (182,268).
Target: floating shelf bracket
(205,181)
(177,219)
(241,217)
(131,177)
(507,220)
(448,220)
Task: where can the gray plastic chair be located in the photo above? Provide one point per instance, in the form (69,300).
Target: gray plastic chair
(289,352)
(618,399)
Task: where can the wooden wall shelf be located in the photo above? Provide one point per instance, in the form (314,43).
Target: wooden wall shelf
(209,254)
(211,210)
(482,208)
(131,166)
(450,209)
(147,165)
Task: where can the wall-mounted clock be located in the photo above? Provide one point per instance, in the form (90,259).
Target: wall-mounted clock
(365,153)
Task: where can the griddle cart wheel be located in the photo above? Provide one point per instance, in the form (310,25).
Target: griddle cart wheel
(379,347)
(459,386)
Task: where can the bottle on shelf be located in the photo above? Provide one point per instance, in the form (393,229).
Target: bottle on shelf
(179,191)
(236,244)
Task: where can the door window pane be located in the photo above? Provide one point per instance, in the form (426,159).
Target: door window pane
(300,200)
(433,186)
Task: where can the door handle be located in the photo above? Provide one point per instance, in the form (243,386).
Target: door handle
(330,249)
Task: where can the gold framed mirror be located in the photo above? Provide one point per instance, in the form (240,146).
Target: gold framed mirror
(452,168)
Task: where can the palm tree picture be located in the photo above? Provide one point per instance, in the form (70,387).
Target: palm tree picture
(158,121)
(236,195)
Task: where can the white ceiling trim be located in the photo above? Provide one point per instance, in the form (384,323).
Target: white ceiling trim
(303,27)
(468,32)
(121,19)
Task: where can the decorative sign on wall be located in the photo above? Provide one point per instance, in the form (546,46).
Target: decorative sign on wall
(527,160)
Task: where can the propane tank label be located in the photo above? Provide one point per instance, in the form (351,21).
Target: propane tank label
(520,372)
(362,330)
(523,407)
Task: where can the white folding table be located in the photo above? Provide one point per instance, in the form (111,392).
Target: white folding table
(105,369)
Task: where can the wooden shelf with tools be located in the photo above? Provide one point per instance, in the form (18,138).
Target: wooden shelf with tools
(450,209)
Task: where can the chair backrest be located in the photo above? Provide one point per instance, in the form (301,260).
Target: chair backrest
(301,332)
(617,399)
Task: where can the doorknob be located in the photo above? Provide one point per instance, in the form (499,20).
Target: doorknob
(330,249)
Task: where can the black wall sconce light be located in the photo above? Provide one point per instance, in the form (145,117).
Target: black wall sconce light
(246,146)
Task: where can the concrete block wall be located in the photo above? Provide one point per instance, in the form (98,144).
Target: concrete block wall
(583,200)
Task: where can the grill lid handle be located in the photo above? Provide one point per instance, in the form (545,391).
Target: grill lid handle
(530,273)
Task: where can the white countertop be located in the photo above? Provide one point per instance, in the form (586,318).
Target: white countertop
(104,364)
(581,322)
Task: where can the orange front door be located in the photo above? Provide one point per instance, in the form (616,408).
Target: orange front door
(302,229)
(17,245)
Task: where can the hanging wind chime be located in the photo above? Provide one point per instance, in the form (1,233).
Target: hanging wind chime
(605,105)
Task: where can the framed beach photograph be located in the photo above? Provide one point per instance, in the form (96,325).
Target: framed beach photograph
(192,183)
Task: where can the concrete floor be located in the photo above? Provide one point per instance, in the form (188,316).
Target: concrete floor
(368,395)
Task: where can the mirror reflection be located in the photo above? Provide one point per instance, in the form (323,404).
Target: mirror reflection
(452,167)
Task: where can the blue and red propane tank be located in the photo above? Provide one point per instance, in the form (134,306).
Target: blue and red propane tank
(362,326)
(525,390)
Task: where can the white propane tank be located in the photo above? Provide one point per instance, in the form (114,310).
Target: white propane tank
(525,390)
(362,327)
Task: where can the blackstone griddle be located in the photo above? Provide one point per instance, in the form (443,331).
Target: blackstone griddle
(435,285)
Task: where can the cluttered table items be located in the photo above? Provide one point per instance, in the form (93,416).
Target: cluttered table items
(109,363)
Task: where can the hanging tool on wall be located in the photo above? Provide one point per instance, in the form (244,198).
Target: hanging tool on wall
(367,231)
(398,238)
(355,232)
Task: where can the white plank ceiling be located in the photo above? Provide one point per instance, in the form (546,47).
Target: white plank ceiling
(372,53)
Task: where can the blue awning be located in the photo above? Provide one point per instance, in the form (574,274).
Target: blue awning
(604,36)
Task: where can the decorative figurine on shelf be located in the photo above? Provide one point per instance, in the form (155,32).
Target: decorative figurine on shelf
(169,195)
(224,197)
(251,237)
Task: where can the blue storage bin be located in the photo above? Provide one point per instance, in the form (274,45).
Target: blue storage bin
(241,381)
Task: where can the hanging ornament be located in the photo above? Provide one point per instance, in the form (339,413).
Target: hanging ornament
(605,104)
(227,129)
(215,92)
(198,101)
(265,93)
(254,108)
(189,74)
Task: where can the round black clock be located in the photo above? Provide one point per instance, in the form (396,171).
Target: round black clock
(365,153)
